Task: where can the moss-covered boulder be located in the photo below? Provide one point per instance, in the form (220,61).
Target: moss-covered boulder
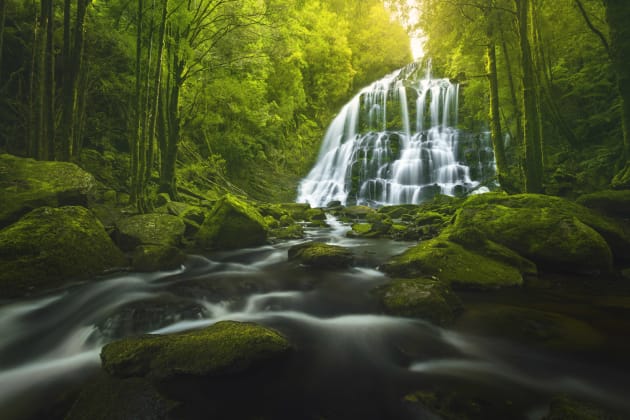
(615,203)
(534,327)
(232,223)
(226,347)
(106,398)
(400,210)
(149,229)
(451,263)
(321,255)
(550,231)
(156,257)
(51,246)
(26,184)
(420,298)
(284,233)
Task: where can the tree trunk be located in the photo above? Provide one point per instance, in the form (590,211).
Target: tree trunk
(169,155)
(496,134)
(157,82)
(3,19)
(49,94)
(531,125)
(136,126)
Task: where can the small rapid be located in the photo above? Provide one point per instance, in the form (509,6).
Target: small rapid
(351,361)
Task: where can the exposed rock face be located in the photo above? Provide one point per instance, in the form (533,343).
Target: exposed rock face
(223,348)
(453,264)
(232,223)
(422,298)
(26,184)
(150,229)
(320,255)
(51,246)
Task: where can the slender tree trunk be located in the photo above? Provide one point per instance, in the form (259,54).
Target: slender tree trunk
(495,115)
(32,126)
(531,126)
(3,19)
(157,82)
(49,95)
(169,155)
(136,126)
(513,94)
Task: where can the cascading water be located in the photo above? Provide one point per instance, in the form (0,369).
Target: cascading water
(374,153)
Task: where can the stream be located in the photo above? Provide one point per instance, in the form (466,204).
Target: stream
(351,360)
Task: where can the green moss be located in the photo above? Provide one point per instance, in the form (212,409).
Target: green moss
(294,231)
(611,202)
(541,328)
(547,230)
(225,347)
(26,184)
(150,229)
(422,298)
(320,255)
(453,264)
(398,211)
(156,257)
(49,247)
(232,223)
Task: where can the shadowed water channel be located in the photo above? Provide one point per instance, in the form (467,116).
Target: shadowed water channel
(350,360)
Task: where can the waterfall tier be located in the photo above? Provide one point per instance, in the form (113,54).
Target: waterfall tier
(396,142)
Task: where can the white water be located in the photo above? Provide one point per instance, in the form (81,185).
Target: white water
(395,142)
(346,346)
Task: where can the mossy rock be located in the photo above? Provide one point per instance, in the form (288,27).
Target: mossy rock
(424,298)
(430,218)
(156,257)
(315,215)
(106,398)
(226,347)
(551,232)
(357,212)
(565,408)
(51,246)
(400,210)
(320,255)
(285,233)
(362,230)
(297,211)
(453,264)
(614,203)
(232,223)
(150,229)
(26,184)
(531,326)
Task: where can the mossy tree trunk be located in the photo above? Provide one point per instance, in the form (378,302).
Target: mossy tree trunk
(72,54)
(533,165)
(618,18)
(3,19)
(494,113)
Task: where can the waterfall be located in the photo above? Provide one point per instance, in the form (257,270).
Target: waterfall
(373,155)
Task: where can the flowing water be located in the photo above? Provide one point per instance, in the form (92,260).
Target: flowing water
(351,360)
(397,142)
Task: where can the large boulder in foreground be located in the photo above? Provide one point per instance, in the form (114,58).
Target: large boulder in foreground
(26,184)
(550,231)
(226,347)
(453,264)
(50,246)
(232,223)
(420,298)
(150,229)
(321,255)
